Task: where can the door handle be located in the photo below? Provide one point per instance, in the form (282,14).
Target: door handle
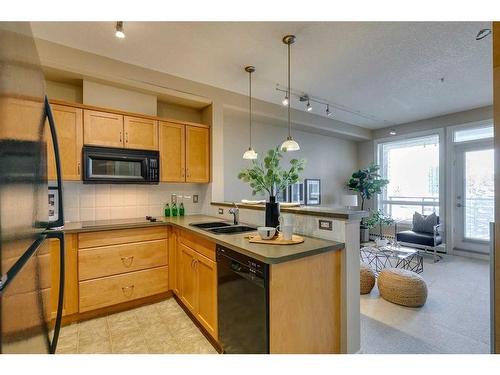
(48,113)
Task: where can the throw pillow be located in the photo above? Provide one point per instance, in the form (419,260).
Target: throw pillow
(424,223)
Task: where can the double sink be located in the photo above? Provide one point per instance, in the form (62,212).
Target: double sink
(222,227)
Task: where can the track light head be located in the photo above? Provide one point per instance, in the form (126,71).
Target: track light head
(328,112)
(285,100)
(309,106)
(119,33)
(483,33)
(392,132)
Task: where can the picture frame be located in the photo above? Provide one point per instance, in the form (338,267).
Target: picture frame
(296,193)
(312,191)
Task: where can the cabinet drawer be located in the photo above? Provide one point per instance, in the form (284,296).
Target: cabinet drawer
(112,260)
(199,244)
(113,290)
(119,236)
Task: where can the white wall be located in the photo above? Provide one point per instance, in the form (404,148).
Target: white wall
(330,159)
(117,98)
(84,202)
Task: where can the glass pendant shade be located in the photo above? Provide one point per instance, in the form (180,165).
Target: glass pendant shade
(290,145)
(250,154)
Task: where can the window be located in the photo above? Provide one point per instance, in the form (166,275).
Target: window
(473,134)
(412,168)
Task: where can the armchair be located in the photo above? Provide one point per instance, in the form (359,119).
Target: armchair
(426,239)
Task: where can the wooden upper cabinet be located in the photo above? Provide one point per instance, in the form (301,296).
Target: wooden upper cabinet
(197,154)
(172,152)
(69,129)
(102,129)
(140,133)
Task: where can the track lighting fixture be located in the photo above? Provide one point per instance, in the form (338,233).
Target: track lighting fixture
(328,112)
(483,33)
(250,153)
(119,33)
(289,144)
(285,100)
(309,106)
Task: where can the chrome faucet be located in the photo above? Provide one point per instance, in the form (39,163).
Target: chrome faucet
(235,211)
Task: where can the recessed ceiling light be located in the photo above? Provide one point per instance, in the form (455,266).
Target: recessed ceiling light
(119,33)
(483,33)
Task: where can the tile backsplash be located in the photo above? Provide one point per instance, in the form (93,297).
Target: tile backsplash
(102,202)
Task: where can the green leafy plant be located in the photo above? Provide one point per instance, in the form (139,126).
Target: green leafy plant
(367,182)
(268,176)
(380,219)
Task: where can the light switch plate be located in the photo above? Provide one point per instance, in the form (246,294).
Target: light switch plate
(195,198)
(325,225)
(221,211)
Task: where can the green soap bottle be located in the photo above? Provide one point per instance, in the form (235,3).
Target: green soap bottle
(174,209)
(181,209)
(167,210)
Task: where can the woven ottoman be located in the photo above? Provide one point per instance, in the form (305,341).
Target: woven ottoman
(366,279)
(402,287)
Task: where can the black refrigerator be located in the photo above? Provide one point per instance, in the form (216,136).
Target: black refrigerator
(31,247)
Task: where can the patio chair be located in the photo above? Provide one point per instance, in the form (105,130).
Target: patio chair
(424,234)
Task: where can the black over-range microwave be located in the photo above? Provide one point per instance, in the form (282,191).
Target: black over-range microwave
(120,166)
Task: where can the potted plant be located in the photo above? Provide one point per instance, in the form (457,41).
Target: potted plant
(368,183)
(380,219)
(269,177)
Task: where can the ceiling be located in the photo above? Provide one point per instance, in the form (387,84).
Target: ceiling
(383,73)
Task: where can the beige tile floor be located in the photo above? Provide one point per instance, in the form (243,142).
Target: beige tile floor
(158,328)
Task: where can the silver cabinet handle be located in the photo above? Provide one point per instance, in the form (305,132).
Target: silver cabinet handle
(128,291)
(127,261)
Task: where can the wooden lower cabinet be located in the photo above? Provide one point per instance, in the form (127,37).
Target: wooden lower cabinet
(108,291)
(197,275)
(188,279)
(207,293)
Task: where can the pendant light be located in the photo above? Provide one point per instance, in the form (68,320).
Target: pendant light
(289,144)
(250,153)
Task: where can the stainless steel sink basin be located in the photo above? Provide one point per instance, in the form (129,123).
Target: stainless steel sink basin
(232,229)
(214,224)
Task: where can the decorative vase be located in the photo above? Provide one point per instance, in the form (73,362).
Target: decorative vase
(364,234)
(272,212)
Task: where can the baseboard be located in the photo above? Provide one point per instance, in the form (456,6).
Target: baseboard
(470,254)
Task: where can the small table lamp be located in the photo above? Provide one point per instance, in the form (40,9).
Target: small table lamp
(349,201)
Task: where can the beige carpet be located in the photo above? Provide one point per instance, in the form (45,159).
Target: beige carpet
(455,318)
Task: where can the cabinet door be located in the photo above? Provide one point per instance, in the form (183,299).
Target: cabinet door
(102,129)
(188,277)
(70,304)
(140,133)
(69,129)
(207,293)
(173,262)
(172,152)
(197,154)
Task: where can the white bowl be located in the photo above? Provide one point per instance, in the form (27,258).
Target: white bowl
(266,233)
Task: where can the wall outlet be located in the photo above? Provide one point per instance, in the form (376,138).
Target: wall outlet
(195,198)
(325,225)
(221,211)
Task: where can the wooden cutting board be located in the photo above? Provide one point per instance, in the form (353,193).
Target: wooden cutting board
(276,240)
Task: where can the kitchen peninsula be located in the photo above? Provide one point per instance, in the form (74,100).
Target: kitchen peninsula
(133,261)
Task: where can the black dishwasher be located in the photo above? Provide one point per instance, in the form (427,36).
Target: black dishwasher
(243,308)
